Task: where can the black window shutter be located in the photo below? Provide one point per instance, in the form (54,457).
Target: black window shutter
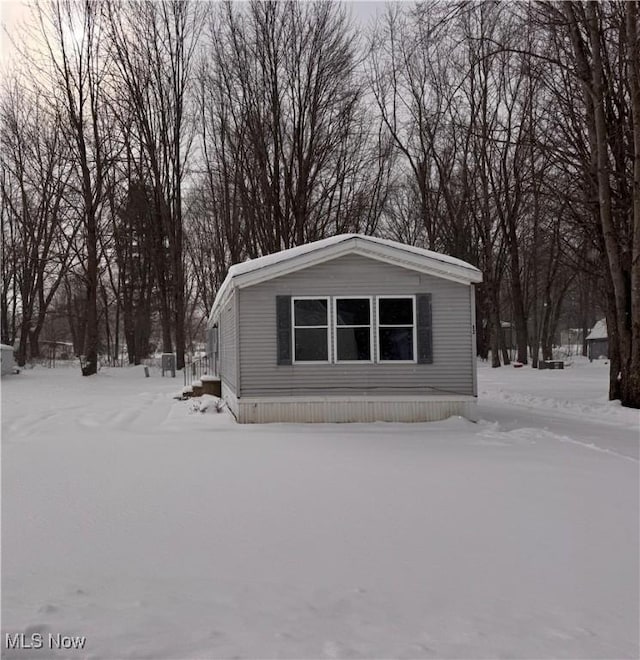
(425,335)
(283,322)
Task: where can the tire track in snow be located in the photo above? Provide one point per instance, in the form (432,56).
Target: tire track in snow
(622,441)
(593,447)
(529,435)
(147,413)
(29,426)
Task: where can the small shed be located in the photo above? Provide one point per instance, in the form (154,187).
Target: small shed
(598,341)
(8,362)
(351,328)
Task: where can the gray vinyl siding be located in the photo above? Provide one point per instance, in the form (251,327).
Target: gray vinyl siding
(228,333)
(452,368)
(597,348)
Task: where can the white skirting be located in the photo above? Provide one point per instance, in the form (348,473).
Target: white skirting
(351,409)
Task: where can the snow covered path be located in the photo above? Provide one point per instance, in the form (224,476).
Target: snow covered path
(571,404)
(160,532)
(598,436)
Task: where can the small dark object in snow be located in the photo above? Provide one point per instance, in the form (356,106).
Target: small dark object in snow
(551,364)
(517,365)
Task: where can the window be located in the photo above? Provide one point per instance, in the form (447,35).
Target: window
(310,329)
(341,329)
(396,329)
(353,329)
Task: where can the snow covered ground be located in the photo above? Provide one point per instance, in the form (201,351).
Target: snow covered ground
(157,531)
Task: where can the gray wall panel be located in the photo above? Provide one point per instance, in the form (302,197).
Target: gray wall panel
(228,333)
(260,375)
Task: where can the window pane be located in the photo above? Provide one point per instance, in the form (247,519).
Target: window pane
(353,311)
(311,344)
(396,343)
(395,311)
(310,312)
(354,344)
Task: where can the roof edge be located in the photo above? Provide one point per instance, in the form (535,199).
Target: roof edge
(294,259)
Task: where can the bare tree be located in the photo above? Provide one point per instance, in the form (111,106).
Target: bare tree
(153,85)
(9,262)
(76,66)
(598,45)
(38,228)
(290,152)
(632,377)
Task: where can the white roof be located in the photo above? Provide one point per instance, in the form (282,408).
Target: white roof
(6,346)
(599,330)
(265,268)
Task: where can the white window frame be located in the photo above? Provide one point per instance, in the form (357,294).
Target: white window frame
(403,325)
(336,326)
(294,326)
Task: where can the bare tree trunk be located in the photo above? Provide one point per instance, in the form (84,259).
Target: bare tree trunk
(77,74)
(92,332)
(631,393)
(604,192)
(497,342)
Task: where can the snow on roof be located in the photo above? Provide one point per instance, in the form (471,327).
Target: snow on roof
(599,330)
(6,347)
(277,257)
(448,264)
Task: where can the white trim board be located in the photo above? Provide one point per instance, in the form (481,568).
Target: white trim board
(288,261)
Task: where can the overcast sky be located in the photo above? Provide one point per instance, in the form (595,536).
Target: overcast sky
(12,12)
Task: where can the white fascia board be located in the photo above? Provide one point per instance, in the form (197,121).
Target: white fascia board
(353,245)
(293,264)
(278,269)
(349,398)
(383,253)
(224,292)
(420,264)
